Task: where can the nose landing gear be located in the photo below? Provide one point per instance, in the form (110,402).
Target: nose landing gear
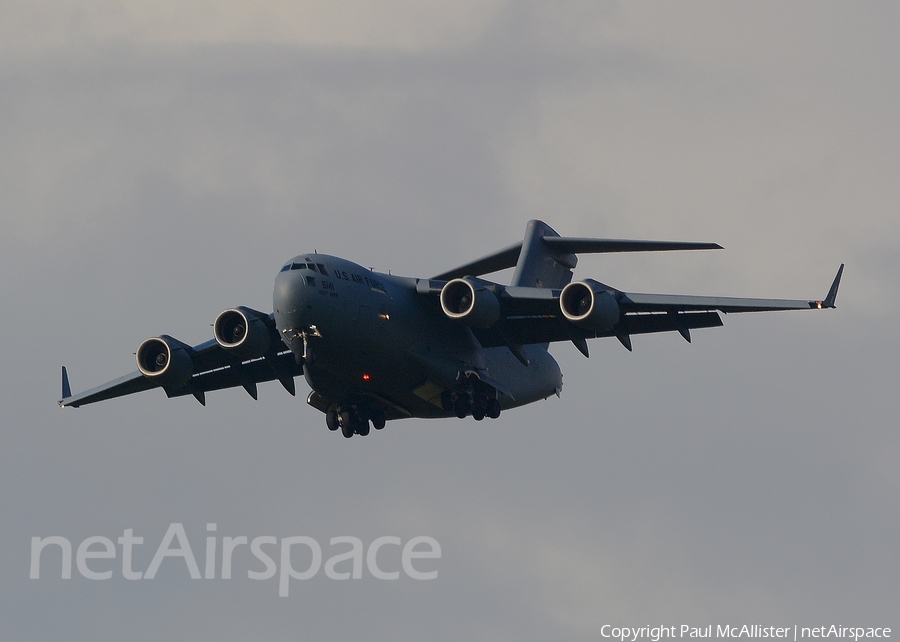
(355,419)
(474,398)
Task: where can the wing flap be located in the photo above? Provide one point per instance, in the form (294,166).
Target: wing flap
(243,374)
(633,302)
(550,328)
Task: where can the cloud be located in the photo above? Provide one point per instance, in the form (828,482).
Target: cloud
(396,24)
(161,161)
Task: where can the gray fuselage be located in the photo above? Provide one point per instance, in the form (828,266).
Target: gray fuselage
(371,337)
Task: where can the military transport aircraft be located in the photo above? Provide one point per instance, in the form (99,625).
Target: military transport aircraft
(375,347)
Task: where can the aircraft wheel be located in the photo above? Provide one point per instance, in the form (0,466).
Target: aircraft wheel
(461,407)
(492,408)
(378,419)
(362,428)
(478,412)
(331,420)
(346,422)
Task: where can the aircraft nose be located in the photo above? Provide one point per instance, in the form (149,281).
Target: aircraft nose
(290,291)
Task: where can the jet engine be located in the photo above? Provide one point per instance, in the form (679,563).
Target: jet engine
(241,332)
(164,360)
(470,302)
(590,305)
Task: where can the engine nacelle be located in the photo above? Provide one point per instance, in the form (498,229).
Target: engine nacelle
(164,360)
(241,332)
(589,305)
(470,302)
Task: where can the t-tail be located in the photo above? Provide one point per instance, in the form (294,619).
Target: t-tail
(539,265)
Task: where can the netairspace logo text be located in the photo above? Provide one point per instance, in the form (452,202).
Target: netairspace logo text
(795,632)
(346,563)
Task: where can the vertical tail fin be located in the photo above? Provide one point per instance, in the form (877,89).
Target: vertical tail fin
(538,265)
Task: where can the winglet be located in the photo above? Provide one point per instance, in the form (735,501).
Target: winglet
(832,292)
(66,390)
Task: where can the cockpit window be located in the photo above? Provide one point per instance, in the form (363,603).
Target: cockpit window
(306,266)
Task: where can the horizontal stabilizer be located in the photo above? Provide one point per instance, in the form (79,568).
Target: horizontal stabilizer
(599,246)
(560,247)
(494,262)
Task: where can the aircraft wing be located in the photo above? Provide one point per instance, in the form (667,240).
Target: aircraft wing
(209,366)
(533,315)
(129,384)
(629,302)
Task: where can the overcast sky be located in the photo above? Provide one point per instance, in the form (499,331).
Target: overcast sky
(159,161)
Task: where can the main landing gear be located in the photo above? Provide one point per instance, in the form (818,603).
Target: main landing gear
(355,419)
(475,398)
